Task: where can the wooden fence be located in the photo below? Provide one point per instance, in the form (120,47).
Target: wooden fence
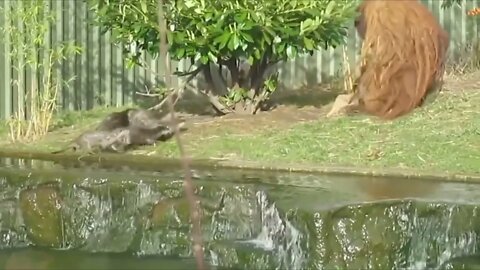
(101,76)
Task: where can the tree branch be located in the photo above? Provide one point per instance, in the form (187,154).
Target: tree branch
(212,98)
(188,185)
(179,91)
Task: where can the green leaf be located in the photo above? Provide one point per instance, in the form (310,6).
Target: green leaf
(240,18)
(267,38)
(280,48)
(212,57)
(234,42)
(204,59)
(307,25)
(237,96)
(250,60)
(143,6)
(330,7)
(247,37)
(180,53)
(257,54)
(291,52)
(308,43)
(222,40)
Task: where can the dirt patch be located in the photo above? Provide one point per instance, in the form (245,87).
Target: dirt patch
(283,116)
(467,82)
(303,105)
(290,107)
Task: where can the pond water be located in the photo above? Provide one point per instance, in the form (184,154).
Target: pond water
(59,215)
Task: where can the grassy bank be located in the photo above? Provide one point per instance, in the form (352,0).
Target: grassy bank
(443,136)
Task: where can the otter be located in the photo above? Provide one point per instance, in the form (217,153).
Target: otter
(92,141)
(120,139)
(145,127)
(140,136)
(132,117)
(115,120)
(124,129)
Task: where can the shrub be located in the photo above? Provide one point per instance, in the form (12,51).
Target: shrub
(246,37)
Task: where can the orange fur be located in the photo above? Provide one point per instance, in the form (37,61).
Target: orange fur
(403,56)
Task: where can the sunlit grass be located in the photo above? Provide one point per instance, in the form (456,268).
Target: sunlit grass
(443,136)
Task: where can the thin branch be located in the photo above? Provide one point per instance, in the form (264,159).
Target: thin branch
(148,94)
(213,99)
(178,92)
(188,185)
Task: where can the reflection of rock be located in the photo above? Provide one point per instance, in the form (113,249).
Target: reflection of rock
(49,259)
(382,189)
(462,263)
(40,208)
(243,227)
(394,235)
(28,260)
(164,210)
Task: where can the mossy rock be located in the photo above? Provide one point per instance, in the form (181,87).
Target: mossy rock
(41,212)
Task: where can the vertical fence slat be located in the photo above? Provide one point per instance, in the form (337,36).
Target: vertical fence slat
(77,86)
(29,84)
(68,66)
(128,84)
(90,65)
(57,32)
(319,64)
(17,78)
(117,70)
(5,72)
(106,68)
(84,91)
(95,94)
(94,64)
(45,51)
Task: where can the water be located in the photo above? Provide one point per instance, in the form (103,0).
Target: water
(60,216)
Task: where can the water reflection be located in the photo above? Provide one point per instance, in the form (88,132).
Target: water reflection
(40,259)
(379,189)
(109,219)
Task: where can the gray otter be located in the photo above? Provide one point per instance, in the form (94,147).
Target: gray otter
(139,118)
(124,129)
(92,141)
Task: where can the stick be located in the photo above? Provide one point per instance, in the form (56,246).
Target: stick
(188,185)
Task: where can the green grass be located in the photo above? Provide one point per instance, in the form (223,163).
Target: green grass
(65,127)
(443,136)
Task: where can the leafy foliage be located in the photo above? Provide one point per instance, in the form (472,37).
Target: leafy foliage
(262,33)
(28,29)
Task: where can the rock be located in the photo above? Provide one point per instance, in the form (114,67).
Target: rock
(40,207)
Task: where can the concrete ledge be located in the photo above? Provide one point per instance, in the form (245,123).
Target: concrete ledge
(152,163)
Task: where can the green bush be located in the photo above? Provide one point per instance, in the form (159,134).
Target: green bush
(247,37)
